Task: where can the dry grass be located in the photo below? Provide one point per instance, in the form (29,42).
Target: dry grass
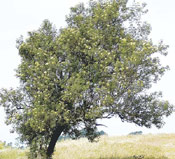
(120,147)
(11,153)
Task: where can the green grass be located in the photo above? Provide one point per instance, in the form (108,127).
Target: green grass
(120,147)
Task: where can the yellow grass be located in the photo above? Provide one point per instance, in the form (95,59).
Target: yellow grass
(120,147)
(10,153)
(1,145)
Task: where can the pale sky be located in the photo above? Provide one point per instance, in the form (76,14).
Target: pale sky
(17,17)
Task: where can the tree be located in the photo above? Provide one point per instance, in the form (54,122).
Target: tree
(99,66)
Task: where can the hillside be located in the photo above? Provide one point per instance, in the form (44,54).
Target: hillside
(160,146)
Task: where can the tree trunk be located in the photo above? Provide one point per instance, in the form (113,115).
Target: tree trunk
(57,132)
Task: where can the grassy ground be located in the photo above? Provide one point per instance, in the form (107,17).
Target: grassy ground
(12,154)
(120,147)
(123,147)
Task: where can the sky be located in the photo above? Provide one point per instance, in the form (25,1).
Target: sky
(17,17)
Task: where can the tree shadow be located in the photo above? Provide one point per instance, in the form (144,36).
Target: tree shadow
(133,157)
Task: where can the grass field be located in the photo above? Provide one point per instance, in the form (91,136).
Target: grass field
(160,146)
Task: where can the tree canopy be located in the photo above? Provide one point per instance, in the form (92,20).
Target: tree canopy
(99,66)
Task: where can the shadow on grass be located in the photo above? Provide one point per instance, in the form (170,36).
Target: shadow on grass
(134,157)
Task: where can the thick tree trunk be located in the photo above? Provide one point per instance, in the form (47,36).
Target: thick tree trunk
(57,132)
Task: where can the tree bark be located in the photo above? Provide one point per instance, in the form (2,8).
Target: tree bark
(57,132)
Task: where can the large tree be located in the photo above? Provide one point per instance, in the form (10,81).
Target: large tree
(100,66)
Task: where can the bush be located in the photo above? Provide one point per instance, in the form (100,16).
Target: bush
(136,133)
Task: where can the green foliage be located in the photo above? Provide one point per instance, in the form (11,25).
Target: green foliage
(101,65)
(82,135)
(136,133)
